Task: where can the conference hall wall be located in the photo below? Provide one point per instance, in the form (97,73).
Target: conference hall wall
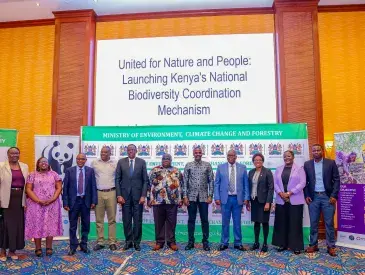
(342,51)
(26,69)
(26,66)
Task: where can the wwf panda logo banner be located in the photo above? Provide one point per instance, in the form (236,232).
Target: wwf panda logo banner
(61,152)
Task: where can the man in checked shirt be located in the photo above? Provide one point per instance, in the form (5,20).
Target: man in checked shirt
(198,193)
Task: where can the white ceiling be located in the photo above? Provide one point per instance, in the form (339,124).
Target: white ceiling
(13,10)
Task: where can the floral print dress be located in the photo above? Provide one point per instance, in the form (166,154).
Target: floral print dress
(43,221)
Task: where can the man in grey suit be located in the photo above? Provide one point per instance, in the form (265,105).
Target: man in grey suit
(198,193)
(131,182)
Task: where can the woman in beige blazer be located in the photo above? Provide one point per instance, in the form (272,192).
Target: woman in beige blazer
(13,175)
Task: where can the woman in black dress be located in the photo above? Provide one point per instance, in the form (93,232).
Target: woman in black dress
(261,183)
(13,174)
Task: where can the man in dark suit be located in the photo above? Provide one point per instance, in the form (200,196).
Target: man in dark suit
(321,193)
(79,196)
(231,191)
(131,182)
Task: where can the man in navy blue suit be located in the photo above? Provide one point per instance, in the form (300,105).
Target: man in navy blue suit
(231,191)
(79,196)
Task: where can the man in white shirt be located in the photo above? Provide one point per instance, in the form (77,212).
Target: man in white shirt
(107,200)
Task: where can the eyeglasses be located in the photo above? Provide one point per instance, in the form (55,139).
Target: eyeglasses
(258,160)
(43,161)
(80,158)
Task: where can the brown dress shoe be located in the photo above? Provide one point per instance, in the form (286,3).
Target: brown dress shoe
(312,249)
(157,247)
(174,247)
(332,251)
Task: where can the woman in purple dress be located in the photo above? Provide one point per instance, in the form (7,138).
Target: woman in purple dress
(43,216)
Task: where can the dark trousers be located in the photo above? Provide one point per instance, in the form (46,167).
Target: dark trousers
(79,208)
(288,227)
(165,216)
(132,214)
(203,212)
(321,202)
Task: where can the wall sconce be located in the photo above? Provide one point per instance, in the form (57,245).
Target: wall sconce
(328,145)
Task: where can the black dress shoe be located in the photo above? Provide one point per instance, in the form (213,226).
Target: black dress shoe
(264,248)
(281,249)
(206,247)
(86,250)
(190,246)
(137,247)
(98,247)
(222,247)
(127,246)
(255,246)
(240,247)
(112,247)
(71,252)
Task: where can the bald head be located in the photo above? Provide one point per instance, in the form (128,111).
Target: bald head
(81,160)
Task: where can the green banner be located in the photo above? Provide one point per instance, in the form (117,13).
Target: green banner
(272,140)
(8,137)
(196,132)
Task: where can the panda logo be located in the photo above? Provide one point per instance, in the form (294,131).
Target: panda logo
(59,158)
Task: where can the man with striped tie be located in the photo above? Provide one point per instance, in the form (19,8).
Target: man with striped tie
(79,196)
(231,191)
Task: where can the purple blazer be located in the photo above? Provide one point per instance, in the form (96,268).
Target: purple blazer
(296,185)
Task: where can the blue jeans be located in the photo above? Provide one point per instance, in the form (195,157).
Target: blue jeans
(231,208)
(321,202)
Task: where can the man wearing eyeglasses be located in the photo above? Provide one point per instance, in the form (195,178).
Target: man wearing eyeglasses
(79,196)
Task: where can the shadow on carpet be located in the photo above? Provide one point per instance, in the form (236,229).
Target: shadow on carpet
(197,261)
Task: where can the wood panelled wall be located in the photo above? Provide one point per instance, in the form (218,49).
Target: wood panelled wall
(298,81)
(342,49)
(73,88)
(230,24)
(26,66)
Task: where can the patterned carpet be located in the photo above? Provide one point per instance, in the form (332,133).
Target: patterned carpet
(197,261)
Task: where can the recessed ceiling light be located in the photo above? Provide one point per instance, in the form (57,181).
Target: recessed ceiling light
(95,1)
(38,4)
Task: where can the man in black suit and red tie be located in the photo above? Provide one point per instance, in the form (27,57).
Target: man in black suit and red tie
(79,196)
(131,182)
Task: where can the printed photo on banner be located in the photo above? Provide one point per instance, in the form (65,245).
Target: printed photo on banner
(350,157)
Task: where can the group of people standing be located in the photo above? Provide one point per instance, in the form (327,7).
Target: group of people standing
(31,208)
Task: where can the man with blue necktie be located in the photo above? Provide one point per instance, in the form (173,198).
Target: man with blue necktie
(231,191)
(79,196)
(131,182)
